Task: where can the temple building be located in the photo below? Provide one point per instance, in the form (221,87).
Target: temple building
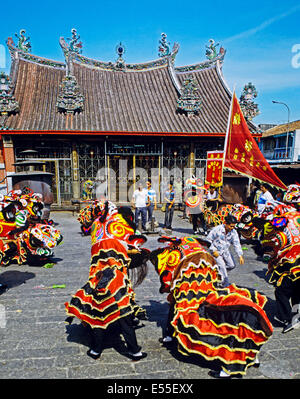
(109,122)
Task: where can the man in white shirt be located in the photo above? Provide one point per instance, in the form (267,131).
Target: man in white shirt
(151,205)
(264,197)
(221,238)
(212,197)
(140,199)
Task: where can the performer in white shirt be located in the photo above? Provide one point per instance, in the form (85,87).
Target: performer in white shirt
(221,238)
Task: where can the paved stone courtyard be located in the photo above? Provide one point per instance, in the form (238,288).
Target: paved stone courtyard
(36,343)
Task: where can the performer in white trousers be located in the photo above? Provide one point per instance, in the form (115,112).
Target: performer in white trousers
(221,238)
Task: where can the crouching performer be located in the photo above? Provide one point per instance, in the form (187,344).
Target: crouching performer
(108,298)
(227,325)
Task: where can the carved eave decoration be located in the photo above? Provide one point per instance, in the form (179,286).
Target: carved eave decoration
(70,99)
(248,106)
(8,103)
(189,101)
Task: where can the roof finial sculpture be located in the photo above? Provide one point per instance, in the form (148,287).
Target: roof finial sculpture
(120,50)
(164,47)
(249,108)
(23,41)
(74,45)
(211,50)
(8,103)
(189,101)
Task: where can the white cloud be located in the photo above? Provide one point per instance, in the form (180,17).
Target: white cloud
(262,26)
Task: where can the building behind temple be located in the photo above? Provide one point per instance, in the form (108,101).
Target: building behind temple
(109,122)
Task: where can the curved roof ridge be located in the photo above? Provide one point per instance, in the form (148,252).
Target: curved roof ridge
(222,79)
(31,57)
(112,66)
(108,65)
(201,65)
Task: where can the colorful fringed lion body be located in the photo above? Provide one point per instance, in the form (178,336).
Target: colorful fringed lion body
(108,294)
(292,195)
(228,324)
(24,236)
(243,214)
(281,243)
(36,242)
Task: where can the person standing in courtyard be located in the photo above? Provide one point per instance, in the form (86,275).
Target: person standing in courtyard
(139,200)
(221,238)
(169,199)
(212,197)
(264,197)
(151,204)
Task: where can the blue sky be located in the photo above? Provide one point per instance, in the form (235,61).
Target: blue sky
(258,37)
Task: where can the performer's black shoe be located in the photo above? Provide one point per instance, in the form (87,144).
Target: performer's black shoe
(92,355)
(293,324)
(69,320)
(136,358)
(217,374)
(166,340)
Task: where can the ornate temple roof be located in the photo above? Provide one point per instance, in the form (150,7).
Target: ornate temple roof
(86,95)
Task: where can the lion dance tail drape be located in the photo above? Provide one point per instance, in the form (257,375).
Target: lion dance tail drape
(228,324)
(107,295)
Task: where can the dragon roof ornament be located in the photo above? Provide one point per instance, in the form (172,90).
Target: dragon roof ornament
(248,106)
(8,103)
(23,41)
(189,101)
(74,45)
(213,57)
(211,50)
(164,46)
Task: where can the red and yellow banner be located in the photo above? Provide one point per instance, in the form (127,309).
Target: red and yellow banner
(242,153)
(214,168)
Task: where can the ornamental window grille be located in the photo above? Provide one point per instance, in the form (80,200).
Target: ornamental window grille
(91,159)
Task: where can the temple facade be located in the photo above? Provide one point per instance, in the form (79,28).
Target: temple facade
(111,123)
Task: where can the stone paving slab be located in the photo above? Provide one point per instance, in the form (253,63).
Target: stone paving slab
(36,343)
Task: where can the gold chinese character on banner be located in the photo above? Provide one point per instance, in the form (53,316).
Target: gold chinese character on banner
(248,145)
(236,119)
(236,151)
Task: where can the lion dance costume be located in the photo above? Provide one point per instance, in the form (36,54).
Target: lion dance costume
(281,243)
(228,324)
(24,235)
(108,295)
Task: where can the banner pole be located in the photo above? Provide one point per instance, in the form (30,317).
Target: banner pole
(228,128)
